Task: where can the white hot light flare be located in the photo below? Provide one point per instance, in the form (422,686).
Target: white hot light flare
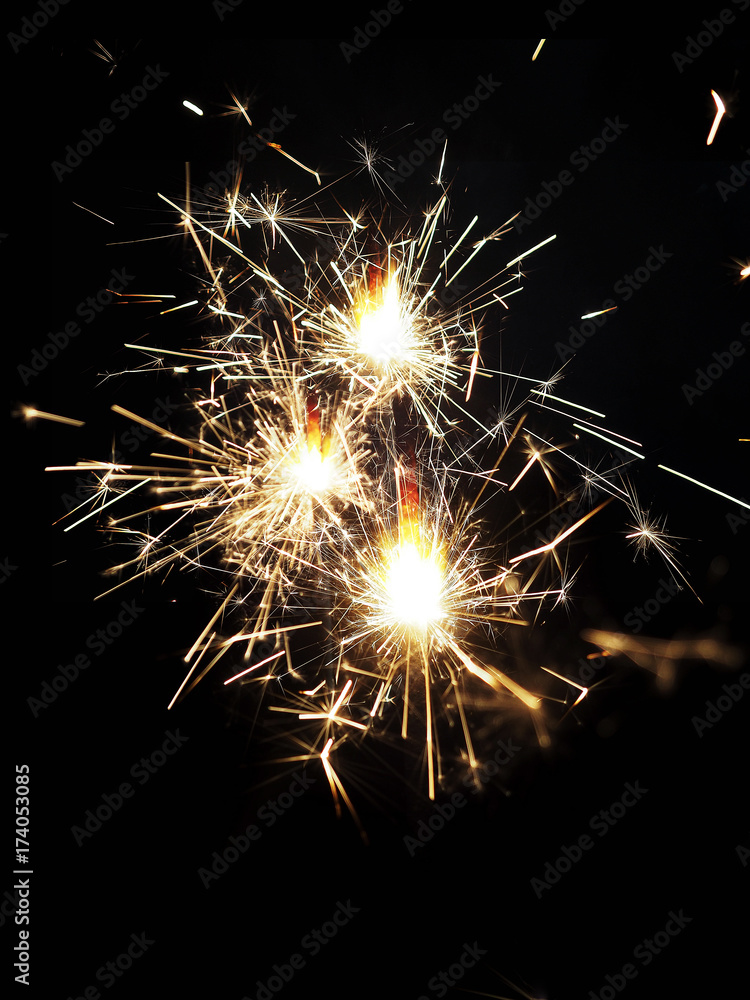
(383,331)
(413,587)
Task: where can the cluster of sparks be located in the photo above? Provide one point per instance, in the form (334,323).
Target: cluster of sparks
(336,482)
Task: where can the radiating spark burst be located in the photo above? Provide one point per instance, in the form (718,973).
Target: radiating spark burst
(296,489)
(259,490)
(649,534)
(425,602)
(385,338)
(373,313)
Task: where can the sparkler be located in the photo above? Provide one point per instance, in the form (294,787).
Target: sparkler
(298,488)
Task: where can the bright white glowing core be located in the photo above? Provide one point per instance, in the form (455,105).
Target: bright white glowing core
(414,585)
(383,335)
(312,471)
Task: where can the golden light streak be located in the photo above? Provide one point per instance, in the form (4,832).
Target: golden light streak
(472,373)
(557,399)
(91,212)
(561,537)
(277,147)
(264,633)
(192,107)
(255,666)
(190,673)
(720,110)
(212,621)
(184,305)
(603,437)
(31,413)
(100,507)
(648,651)
(538,49)
(599,312)
(534,458)
(584,690)
(527,252)
(711,489)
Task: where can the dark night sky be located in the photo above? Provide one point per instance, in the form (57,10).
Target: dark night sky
(655,187)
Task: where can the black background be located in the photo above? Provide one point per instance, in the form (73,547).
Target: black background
(656,185)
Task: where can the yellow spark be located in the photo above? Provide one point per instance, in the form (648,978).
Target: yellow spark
(185,305)
(522,473)
(556,541)
(720,110)
(558,399)
(538,49)
(31,413)
(603,437)
(472,373)
(527,252)
(600,312)
(262,663)
(96,214)
(705,487)
(584,690)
